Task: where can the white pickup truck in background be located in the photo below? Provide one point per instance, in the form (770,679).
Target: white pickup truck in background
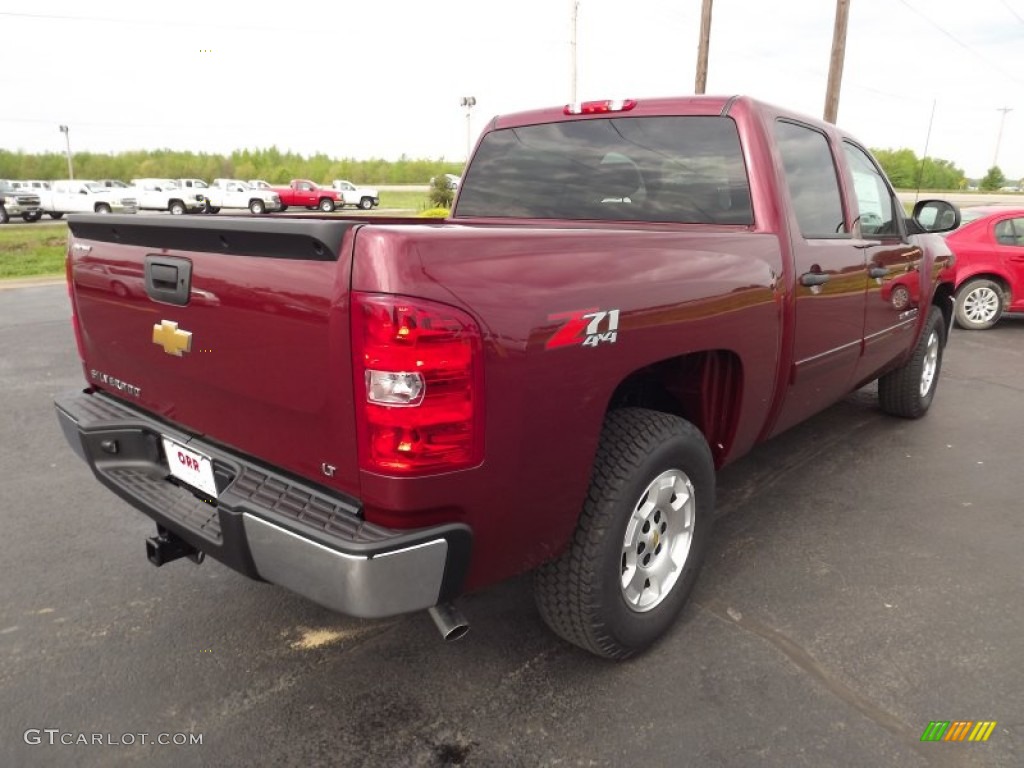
(232,193)
(361,197)
(166,195)
(85,196)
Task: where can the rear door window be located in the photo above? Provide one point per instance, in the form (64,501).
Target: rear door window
(812,180)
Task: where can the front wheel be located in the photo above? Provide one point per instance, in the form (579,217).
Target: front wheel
(908,391)
(4,215)
(979,304)
(640,539)
(327,205)
(257,207)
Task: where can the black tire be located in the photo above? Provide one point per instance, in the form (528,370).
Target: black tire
(177,208)
(56,215)
(30,217)
(979,304)
(4,215)
(581,594)
(908,391)
(212,209)
(257,207)
(326,205)
(283,208)
(102,208)
(366,203)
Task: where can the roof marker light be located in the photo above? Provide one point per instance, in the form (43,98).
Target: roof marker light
(600,107)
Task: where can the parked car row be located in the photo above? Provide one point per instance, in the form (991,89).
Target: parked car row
(31,199)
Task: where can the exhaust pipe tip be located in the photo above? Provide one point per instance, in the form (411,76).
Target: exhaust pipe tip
(449,621)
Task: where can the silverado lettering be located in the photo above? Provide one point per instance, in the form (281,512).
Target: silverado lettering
(383,423)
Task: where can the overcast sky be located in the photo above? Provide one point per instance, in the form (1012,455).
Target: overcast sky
(384,77)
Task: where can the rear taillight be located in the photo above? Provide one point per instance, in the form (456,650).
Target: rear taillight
(418,385)
(69,271)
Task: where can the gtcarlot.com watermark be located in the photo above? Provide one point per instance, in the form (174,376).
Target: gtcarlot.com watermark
(58,737)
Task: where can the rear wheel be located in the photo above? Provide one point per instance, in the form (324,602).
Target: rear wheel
(33,216)
(979,304)
(257,207)
(56,215)
(640,539)
(366,203)
(102,208)
(4,215)
(327,205)
(283,208)
(212,209)
(177,208)
(909,390)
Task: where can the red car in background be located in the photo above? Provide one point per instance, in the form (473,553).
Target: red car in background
(989,267)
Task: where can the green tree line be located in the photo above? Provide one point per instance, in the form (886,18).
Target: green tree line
(907,171)
(903,167)
(272,164)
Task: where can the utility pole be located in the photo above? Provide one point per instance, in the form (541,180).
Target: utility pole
(702,48)
(67,144)
(835,67)
(468,102)
(575,13)
(999,138)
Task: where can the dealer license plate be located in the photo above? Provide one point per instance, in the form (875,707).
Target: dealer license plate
(190,467)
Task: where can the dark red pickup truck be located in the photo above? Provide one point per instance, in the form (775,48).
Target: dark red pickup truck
(382,415)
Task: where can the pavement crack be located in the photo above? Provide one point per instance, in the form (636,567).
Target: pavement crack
(811,666)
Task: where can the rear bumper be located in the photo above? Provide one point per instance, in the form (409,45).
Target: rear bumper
(266,525)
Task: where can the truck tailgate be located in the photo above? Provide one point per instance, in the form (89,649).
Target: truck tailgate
(233,329)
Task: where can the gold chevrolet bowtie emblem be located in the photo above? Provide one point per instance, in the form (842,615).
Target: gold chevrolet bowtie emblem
(173,341)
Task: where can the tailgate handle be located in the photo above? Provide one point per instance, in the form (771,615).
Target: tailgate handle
(169,279)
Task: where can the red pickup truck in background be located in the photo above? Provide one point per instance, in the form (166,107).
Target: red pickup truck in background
(309,195)
(383,415)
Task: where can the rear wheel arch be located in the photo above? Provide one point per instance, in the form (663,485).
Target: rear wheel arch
(981,299)
(1001,280)
(704,388)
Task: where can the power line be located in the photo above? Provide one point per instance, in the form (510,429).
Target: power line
(134,22)
(1010,9)
(962,44)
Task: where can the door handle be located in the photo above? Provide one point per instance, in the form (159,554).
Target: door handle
(878,272)
(814,278)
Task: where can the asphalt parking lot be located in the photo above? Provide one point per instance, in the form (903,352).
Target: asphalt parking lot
(865,579)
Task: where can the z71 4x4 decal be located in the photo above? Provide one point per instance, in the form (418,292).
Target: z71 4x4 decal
(585,327)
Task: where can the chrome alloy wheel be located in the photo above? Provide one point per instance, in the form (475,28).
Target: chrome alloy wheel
(981,305)
(930,364)
(658,538)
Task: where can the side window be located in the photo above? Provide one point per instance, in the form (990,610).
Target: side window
(811,179)
(1010,232)
(874,201)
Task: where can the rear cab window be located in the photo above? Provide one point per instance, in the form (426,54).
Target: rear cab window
(683,169)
